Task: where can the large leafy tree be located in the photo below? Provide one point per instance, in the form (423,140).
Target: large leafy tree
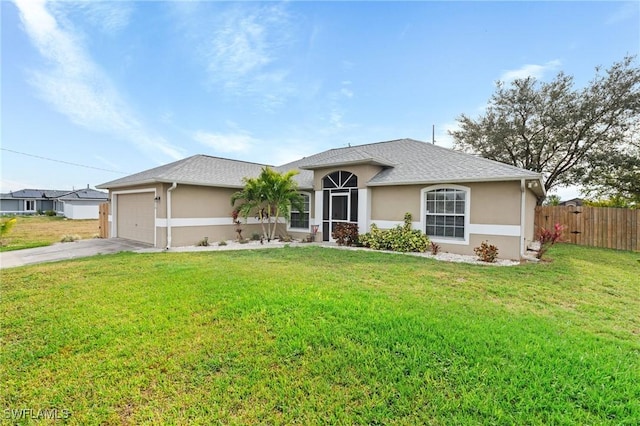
(268,196)
(554,129)
(615,175)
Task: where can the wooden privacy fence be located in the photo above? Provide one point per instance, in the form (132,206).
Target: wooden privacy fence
(103,217)
(607,227)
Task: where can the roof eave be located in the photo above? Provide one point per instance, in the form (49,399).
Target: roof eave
(464,180)
(108,185)
(179,182)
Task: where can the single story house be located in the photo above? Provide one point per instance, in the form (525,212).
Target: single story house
(459,200)
(75,204)
(574,202)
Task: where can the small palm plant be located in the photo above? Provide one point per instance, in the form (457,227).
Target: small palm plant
(269,196)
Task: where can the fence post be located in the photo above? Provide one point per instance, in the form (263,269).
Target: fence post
(103,216)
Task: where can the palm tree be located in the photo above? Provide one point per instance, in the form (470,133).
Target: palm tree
(269,195)
(281,193)
(251,200)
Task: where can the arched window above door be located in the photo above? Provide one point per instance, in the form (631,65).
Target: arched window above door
(340,179)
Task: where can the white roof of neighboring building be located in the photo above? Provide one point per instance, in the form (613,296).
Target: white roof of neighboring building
(54,194)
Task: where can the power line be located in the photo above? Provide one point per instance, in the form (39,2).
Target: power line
(62,161)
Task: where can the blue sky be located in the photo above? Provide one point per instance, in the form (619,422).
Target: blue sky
(126,86)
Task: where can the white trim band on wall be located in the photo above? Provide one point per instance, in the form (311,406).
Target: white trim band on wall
(206,221)
(134,191)
(502,230)
(474,228)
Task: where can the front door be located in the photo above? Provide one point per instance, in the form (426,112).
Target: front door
(339,201)
(339,210)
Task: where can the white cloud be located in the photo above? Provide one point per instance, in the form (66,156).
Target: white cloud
(240,47)
(244,51)
(530,70)
(230,142)
(77,87)
(335,118)
(443,138)
(623,12)
(109,17)
(346,92)
(8,185)
(112,165)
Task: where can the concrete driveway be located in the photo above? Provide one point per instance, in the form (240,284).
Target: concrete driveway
(63,251)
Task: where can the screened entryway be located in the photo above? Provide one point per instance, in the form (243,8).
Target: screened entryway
(340,201)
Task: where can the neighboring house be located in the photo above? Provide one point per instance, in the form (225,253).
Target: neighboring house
(76,204)
(574,202)
(458,199)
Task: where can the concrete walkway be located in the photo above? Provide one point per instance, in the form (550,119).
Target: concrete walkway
(64,251)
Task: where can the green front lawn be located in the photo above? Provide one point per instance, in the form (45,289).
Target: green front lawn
(38,231)
(316,335)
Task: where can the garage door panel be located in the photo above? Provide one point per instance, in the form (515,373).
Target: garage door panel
(136,217)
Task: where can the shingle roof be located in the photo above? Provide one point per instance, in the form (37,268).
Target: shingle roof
(85,194)
(79,194)
(196,170)
(403,161)
(417,162)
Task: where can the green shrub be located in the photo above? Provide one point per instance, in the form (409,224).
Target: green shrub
(486,252)
(401,238)
(203,242)
(222,243)
(50,213)
(256,236)
(345,234)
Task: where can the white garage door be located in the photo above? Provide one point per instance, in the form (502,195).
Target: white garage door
(136,217)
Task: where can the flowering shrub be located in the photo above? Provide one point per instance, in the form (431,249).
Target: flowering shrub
(486,252)
(235,217)
(345,234)
(435,248)
(548,238)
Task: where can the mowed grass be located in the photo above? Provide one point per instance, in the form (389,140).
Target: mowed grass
(316,335)
(39,231)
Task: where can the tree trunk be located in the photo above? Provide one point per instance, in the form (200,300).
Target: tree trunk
(275,224)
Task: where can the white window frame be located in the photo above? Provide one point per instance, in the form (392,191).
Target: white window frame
(467,211)
(308,212)
(26,205)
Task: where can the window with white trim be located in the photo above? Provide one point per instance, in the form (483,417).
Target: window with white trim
(30,205)
(445,210)
(300,219)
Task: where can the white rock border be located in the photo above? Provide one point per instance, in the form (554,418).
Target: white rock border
(255,245)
